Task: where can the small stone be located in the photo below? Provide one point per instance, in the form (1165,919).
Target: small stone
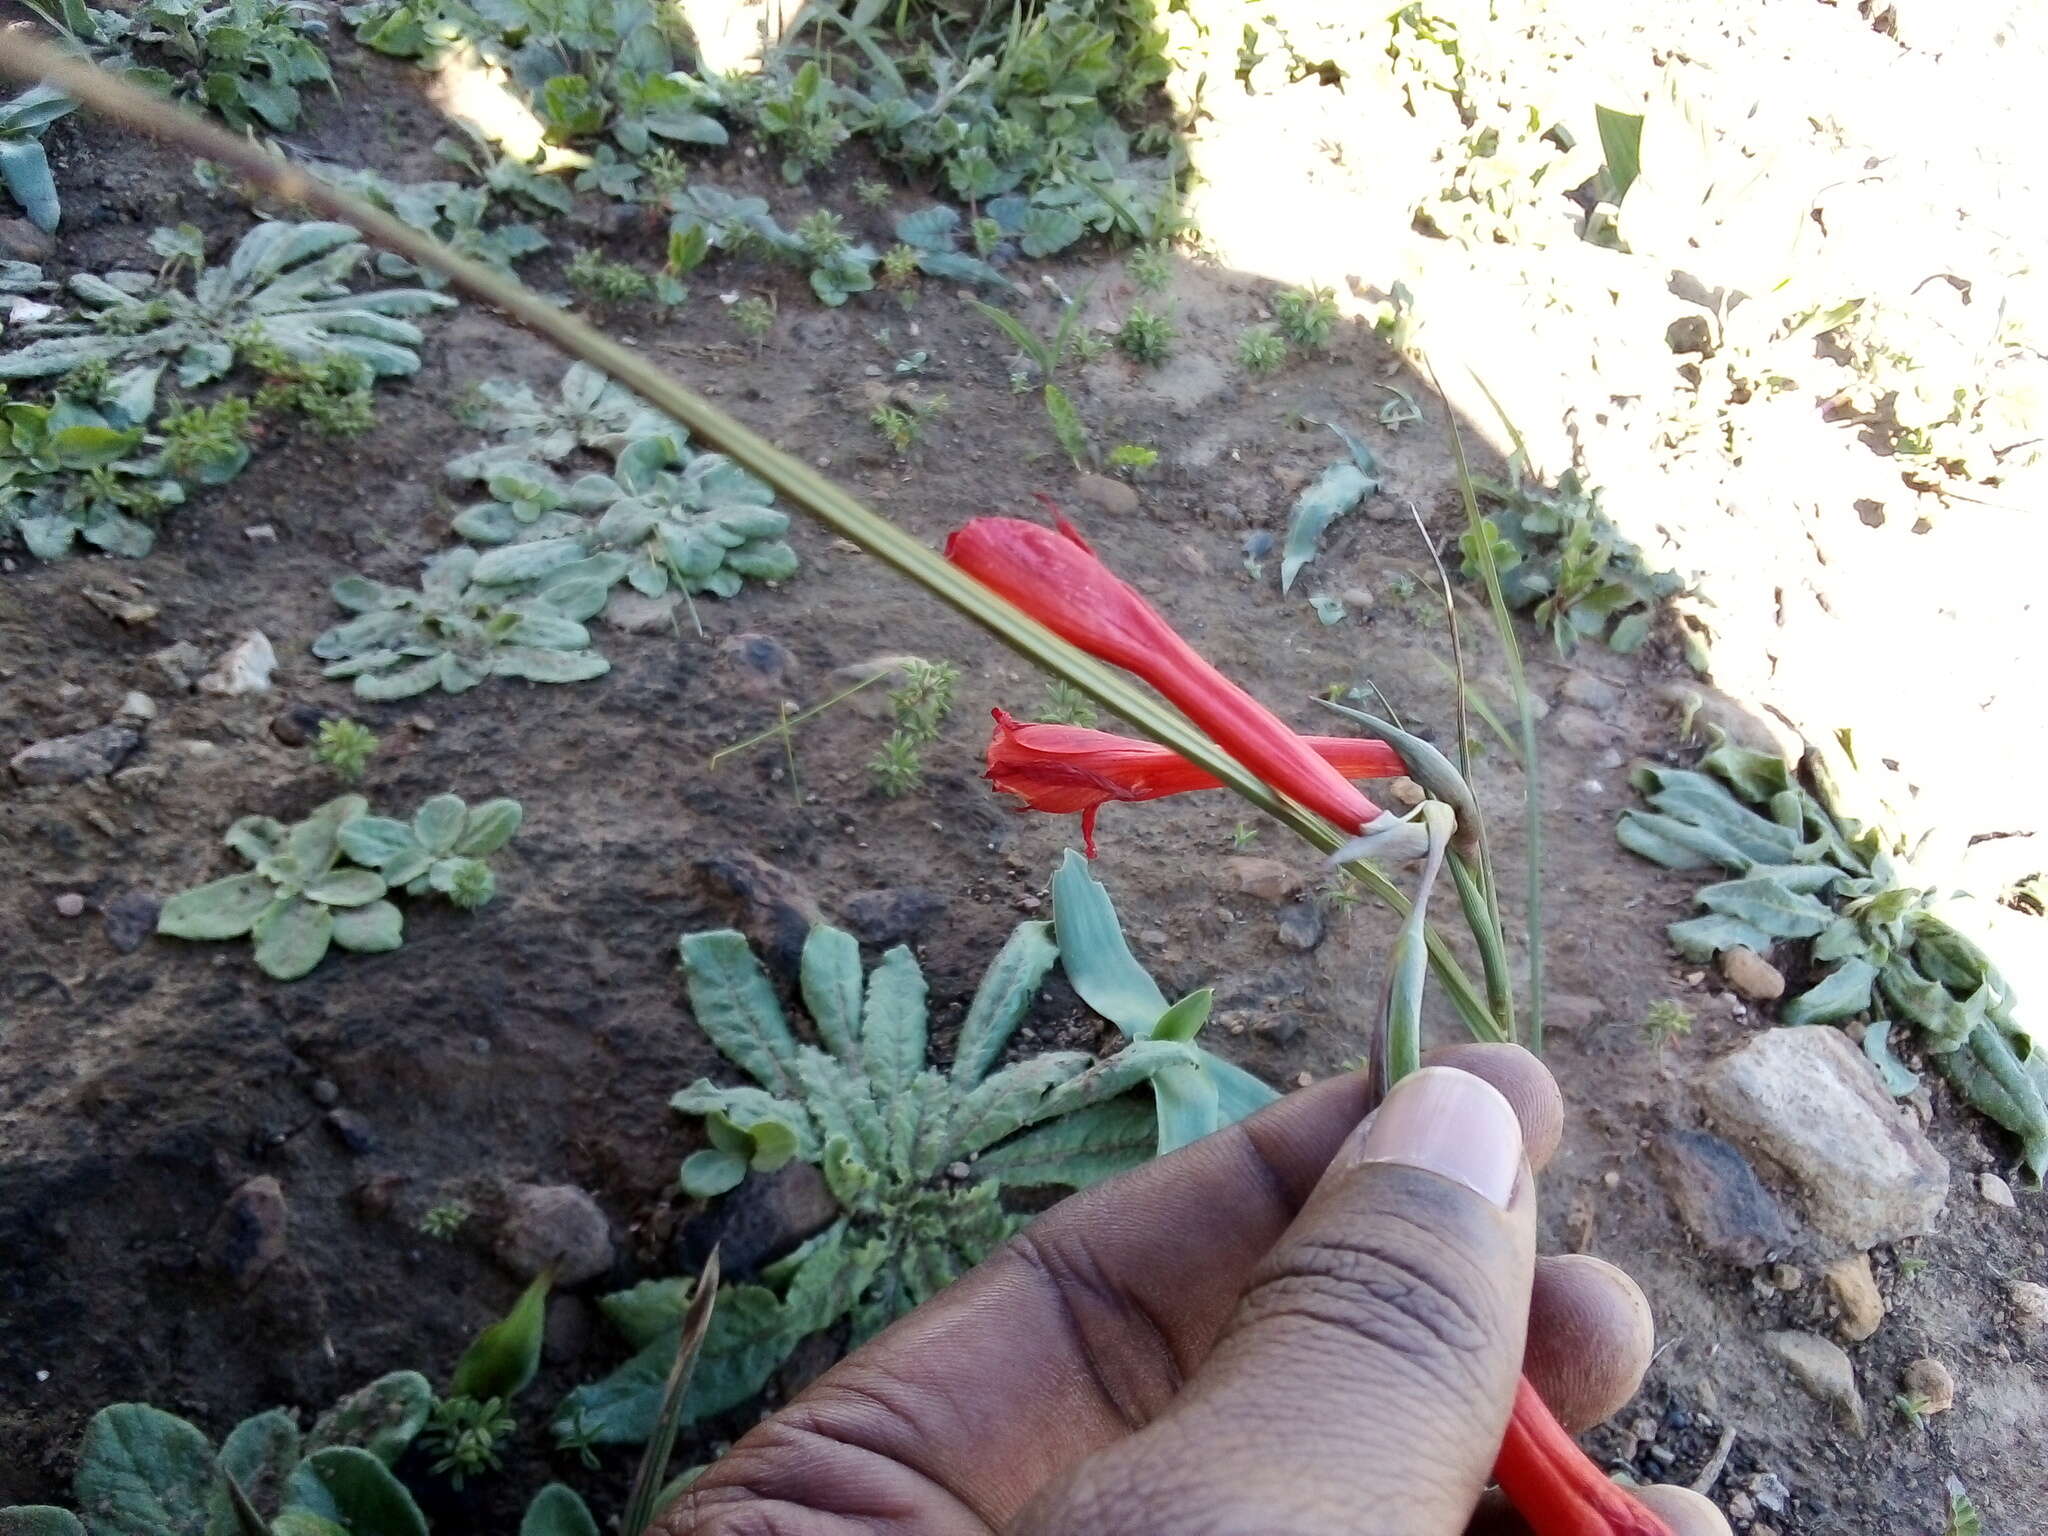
(765,1218)
(776,909)
(1929,1380)
(125,608)
(325,1094)
(2029,1300)
(638,614)
(72,759)
(1752,975)
(1823,1370)
(249,1235)
(1191,560)
(181,664)
(1357,599)
(1265,879)
(139,706)
(260,533)
(375,1195)
(70,904)
(1719,1197)
(245,667)
(1740,1505)
(1582,729)
(1770,1491)
(762,663)
(1154,938)
(1590,692)
(1809,1100)
(129,919)
(1854,1289)
(959,1171)
(422,725)
(893,914)
(1407,791)
(1300,926)
(1996,1191)
(1787,1277)
(24,242)
(352,1131)
(297,724)
(554,1225)
(1104,494)
(1278,1029)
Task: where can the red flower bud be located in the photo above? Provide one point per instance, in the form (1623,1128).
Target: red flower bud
(1062,769)
(1057,579)
(1554,1485)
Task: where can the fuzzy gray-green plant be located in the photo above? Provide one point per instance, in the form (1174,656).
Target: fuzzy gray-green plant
(286,285)
(83,468)
(24,167)
(1806,870)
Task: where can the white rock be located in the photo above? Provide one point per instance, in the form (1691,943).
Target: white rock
(260,533)
(1823,1370)
(1996,1191)
(139,706)
(244,668)
(1809,1101)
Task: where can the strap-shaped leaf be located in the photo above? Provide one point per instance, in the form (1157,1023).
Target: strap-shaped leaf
(1184,1098)
(1843,992)
(1764,903)
(842,1102)
(830,977)
(1701,938)
(1094,955)
(1136,1063)
(1008,1101)
(735,1005)
(1077,1150)
(1238,1093)
(1005,993)
(892,1030)
(916,1118)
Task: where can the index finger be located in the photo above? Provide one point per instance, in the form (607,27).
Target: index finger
(1078,1331)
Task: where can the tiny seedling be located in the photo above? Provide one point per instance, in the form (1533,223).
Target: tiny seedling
(899,266)
(465,1437)
(872,194)
(1132,460)
(1150,267)
(1066,705)
(443,1220)
(920,704)
(1306,316)
(1912,1407)
(903,426)
(333,393)
(1242,836)
(1666,1021)
(1261,349)
(207,444)
(985,235)
(345,746)
(606,282)
(1146,336)
(754,317)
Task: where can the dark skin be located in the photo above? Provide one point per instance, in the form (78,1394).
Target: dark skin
(1236,1338)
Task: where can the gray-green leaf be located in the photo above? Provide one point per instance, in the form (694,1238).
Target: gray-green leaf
(143,1472)
(1701,938)
(220,909)
(346,888)
(1764,903)
(1094,955)
(259,1454)
(1079,1149)
(370,930)
(830,977)
(356,1491)
(488,827)
(292,937)
(438,823)
(1334,492)
(735,1005)
(558,1510)
(892,1031)
(1006,991)
(39,1520)
(1843,992)
(382,1418)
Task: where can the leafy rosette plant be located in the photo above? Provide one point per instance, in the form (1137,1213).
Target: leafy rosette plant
(589,412)
(294,902)
(77,470)
(442,849)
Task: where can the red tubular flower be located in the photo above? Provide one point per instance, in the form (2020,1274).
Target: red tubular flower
(1062,769)
(1057,579)
(1555,1487)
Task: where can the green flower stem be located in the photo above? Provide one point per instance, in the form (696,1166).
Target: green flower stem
(803,487)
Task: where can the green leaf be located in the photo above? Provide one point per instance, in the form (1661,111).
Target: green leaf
(356,1491)
(39,1520)
(1007,988)
(558,1510)
(749,1108)
(259,1454)
(830,978)
(1238,1093)
(734,1004)
(505,1356)
(1621,141)
(892,1029)
(1765,904)
(1094,955)
(346,888)
(1843,992)
(292,937)
(374,929)
(1006,1102)
(438,823)
(1877,1046)
(711,1172)
(1184,1020)
(1185,1100)
(1136,1063)
(1701,938)
(842,1102)
(143,1472)
(1079,1149)
(382,1418)
(1756,776)
(488,827)
(1677,844)
(303,1522)
(1333,493)
(220,909)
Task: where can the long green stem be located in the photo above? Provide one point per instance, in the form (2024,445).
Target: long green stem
(831,504)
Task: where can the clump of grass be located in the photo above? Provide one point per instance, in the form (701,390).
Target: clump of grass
(444,1219)
(1307,316)
(604,281)
(201,436)
(899,266)
(921,703)
(1146,336)
(1066,705)
(1261,349)
(345,746)
(903,426)
(1150,268)
(667,171)
(334,394)
(1666,1021)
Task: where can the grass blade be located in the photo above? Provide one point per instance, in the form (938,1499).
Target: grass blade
(649,1480)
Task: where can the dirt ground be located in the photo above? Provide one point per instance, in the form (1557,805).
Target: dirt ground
(540,1038)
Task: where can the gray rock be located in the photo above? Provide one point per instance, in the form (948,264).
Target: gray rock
(1750,974)
(766,1217)
(130,918)
(138,706)
(1719,1197)
(70,904)
(1107,495)
(325,1093)
(1300,926)
(72,759)
(1279,1028)
(1191,560)
(245,667)
(1266,879)
(1590,692)
(776,909)
(352,1131)
(1823,1370)
(761,663)
(554,1225)
(297,724)
(1932,1383)
(1809,1101)
(1996,1191)
(893,914)
(250,1234)
(1583,729)
(180,664)
(2029,1300)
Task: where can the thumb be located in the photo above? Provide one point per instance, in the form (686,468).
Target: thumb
(1364,1382)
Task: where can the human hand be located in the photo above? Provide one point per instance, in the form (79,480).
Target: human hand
(1301,1324)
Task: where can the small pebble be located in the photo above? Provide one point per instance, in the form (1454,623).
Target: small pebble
(1787,1277)
(325,1094)
(1929,1380)
(260,533)
(1996,1191)
(70,904)
(959,1171)
(1303,1079)
(139,706)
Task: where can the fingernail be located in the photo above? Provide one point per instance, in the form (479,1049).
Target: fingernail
(1447,1122)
